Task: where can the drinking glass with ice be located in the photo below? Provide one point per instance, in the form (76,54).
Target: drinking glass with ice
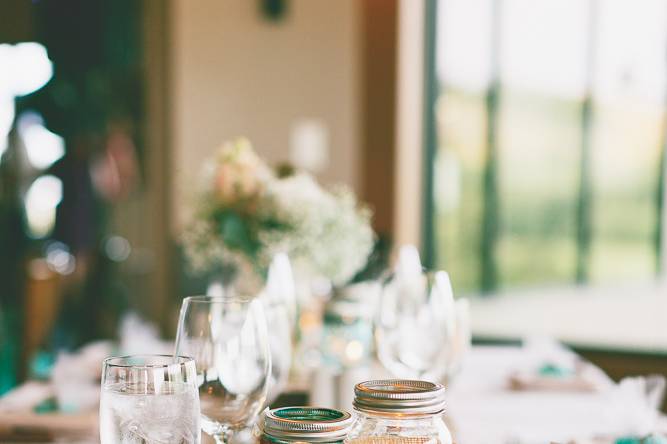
(149,399)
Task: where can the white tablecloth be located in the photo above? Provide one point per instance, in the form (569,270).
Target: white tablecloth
(483,410)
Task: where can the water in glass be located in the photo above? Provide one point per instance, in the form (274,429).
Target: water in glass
(149,400)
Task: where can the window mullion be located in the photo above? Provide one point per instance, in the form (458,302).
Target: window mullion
(584,208)
(491,211)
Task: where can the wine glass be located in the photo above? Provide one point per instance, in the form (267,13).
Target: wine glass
(279,304)
(415,325)
(149,399)
(280,345)
(280,286)
(461,339)
(227,337)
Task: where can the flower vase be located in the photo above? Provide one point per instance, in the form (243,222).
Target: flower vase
(347,327)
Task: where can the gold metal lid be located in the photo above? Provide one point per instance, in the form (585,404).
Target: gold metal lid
(393,396)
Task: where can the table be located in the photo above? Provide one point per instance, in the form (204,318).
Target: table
(481,408)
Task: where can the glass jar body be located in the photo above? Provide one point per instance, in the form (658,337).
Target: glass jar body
(398,429)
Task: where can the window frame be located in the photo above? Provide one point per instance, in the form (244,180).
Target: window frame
(419,34)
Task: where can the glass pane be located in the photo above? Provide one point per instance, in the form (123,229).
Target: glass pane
(544,56)
(542,75)
(463,75)
(629,114)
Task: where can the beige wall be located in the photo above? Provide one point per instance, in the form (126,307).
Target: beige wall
(409,97)
(234,73)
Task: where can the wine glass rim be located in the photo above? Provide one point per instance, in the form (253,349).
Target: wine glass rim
(175,360)
(217,299)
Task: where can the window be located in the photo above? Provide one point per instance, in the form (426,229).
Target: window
(545,135)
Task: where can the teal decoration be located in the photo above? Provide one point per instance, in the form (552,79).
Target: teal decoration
(47,406)
(41,365)
(652,439)
(8,354)
(555,371)
(7,374)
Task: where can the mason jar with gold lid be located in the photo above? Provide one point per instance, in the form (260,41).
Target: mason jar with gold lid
(399,411)
(303,425)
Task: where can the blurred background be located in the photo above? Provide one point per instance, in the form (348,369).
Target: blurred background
(520,144)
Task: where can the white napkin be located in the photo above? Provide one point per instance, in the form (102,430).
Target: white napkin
(634,405)
(25,397)
(575,373)
(76,381)
(138,336)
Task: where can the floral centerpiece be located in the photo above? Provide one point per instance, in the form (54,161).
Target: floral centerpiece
(247,213)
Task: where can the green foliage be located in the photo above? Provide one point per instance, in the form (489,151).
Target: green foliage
(240,230)
(236,233)
(378,261)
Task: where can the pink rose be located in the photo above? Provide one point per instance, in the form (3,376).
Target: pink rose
(240,172)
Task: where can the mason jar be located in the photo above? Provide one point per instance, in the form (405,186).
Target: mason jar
(399,412)
(304,425)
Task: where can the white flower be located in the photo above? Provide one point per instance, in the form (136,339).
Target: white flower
(331,236)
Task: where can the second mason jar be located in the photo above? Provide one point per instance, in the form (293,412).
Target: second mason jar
(399,412)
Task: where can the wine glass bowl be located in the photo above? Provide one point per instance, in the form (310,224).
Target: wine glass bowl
(415,325)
